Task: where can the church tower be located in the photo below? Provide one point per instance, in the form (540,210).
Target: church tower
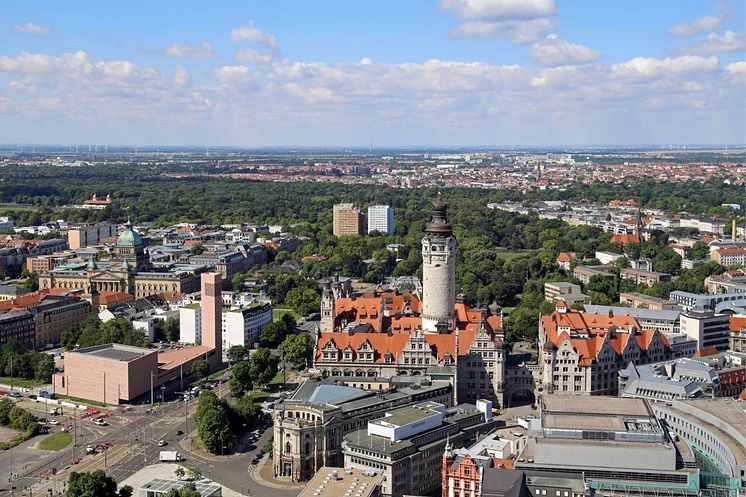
(327,307)
(438,272)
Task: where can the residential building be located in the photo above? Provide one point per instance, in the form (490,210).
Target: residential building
(310,425)
(6,223)
(578,446)
(564,259)
(407,444)
(585,273)
(381,219)
(707,327)
(560,290)
(642,301)
(79,237)
(730,257)
(730,281)
(581,352)
(485,468)
(190,324)
(18,326)
(347,220)
(55,314)
(738,333)
(242,325)
(335,482)
(647,278)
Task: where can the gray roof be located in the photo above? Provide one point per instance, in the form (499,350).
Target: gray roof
(505,482)
(161,485)
(116,352)
(632,311)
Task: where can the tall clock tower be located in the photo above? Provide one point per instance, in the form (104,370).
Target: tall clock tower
(438,272)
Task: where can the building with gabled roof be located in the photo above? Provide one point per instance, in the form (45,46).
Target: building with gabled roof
(581,352)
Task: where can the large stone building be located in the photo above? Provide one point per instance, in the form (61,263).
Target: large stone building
(309,426)
(581,352)
(130,272)
(388,334)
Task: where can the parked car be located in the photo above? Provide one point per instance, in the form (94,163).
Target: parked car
(179,432)
(53,422)
(162,443)
(100,422)
(16,395)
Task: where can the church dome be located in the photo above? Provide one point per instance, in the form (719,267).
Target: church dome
(129,238)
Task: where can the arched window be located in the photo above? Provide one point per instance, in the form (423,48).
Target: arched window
(288,448)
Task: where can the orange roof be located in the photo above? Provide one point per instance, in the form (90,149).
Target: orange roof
(108,298)
(174,358)
(732,251)
(707,351)
(171,296)
(626,238)
(587,332)
(737,323)
(381,342)
(566,256)
(22,302)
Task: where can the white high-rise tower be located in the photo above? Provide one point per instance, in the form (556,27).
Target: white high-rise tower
(438,272)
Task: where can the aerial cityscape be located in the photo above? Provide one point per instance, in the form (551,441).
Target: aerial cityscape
(442,248)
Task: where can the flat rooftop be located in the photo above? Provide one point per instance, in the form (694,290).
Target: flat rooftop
(407,415)
(585,405)
(161,485)
(115,352)
(339,482)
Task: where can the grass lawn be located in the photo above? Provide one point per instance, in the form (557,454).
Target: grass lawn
(277,313)
(20,382)
(56,441)
(258,396)
(81,401)
(509,255)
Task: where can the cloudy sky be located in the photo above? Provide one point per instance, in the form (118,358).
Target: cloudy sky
(397,72)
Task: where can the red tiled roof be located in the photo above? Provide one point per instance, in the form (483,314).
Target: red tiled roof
(109,298)
(737,323)
(626,238)
(566,256)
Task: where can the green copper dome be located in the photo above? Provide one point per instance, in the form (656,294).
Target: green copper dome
(129,238)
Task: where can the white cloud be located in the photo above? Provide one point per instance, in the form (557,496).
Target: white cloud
(32,28)
(204,50)
(233,75)
(253,57)
(650,67)
(715,43)
(736,68)
(697,25)
(524,21)
(556,51)
(251,34)
(521,32)
(182,78)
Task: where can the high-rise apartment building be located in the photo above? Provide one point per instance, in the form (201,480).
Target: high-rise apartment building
(347,220)
(85,236)
(381,219)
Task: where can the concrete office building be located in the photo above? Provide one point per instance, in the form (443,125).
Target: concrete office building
(716,432)
(647,278)
(381,219)
(731,302)
(578,444)
(585,273)
(707,327)
(347,220)
(18,326)
(190,324)
(85,236)
(407,444)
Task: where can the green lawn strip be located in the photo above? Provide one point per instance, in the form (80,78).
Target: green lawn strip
(20,382)
(56,441)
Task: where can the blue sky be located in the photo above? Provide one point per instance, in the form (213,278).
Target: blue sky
(435,72)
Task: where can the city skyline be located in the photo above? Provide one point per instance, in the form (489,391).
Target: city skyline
(438,73)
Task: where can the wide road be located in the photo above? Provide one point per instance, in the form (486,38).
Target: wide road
(135,445)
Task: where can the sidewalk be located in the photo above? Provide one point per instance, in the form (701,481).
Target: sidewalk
(262,474)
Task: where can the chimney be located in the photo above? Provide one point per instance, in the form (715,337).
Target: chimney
(733,230)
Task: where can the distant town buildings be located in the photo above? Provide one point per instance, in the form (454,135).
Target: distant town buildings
(347,220)
(381,219)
